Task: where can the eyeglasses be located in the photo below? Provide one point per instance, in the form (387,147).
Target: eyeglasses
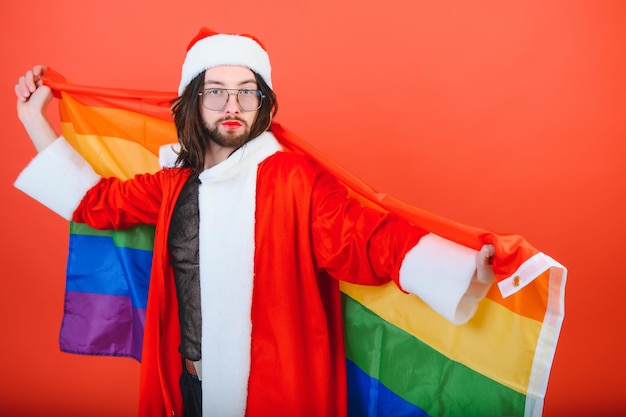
(216,98)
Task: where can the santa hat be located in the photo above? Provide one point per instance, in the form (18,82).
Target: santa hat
(211,49)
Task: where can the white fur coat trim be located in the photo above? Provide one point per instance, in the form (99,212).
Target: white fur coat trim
(227,197)
(443,274)
(58,177)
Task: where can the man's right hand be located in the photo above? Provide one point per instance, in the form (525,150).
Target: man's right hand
(32,101)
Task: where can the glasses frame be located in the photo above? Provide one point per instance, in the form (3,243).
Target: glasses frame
(232,92)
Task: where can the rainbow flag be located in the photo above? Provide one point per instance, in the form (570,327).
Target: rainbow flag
(403,359)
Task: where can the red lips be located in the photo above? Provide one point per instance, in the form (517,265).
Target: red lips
(231,124)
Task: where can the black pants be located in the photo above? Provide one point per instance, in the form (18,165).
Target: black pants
(191,388)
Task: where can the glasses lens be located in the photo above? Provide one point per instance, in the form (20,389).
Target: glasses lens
(249,100)
(214,99)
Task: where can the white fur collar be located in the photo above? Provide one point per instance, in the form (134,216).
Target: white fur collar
(227,202)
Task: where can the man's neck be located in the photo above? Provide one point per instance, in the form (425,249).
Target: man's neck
(215,154)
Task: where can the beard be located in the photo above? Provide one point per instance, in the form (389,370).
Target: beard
(228,139)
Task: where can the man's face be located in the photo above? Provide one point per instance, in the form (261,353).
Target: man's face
(229,127)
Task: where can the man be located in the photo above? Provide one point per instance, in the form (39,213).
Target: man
(250,242)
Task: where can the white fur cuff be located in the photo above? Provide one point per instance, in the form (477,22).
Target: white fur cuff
(443,274)
(168,155)
(58,177)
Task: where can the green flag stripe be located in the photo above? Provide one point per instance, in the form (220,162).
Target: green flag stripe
(438,385)
(137,237)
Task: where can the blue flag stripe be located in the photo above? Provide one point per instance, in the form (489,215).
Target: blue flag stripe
(368,397)
(96,265)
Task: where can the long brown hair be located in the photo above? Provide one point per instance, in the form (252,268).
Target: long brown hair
(193,134)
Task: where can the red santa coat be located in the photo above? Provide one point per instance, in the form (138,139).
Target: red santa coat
(304,235)
(306,231)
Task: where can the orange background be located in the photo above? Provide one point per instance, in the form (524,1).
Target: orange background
(504,115)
